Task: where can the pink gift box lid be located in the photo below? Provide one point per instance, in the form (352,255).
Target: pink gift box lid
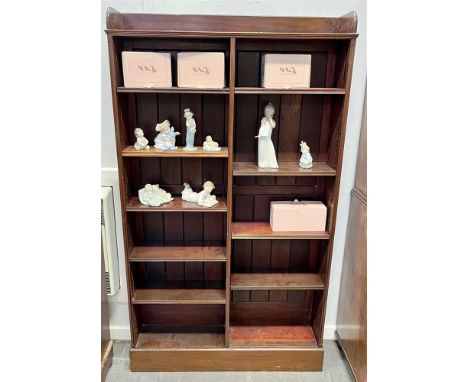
(316,205)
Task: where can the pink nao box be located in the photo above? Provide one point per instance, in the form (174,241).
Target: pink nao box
(146,69)
(286,70)
(298,216)
(200,70)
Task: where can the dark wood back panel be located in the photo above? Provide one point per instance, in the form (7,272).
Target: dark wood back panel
(181,314)
(178,229)
(171,173)
(298,117)
(210,111)
(150,275)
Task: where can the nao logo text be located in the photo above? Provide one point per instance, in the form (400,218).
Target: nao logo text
(287,70)
(200,70)
(147,68)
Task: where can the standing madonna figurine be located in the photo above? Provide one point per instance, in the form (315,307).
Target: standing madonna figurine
(266,150)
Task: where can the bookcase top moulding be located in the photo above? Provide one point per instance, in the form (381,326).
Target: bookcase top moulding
(131,24)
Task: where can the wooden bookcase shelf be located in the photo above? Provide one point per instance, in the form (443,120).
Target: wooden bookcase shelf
(178,153)
(179,296)
(276,281)
(285,169)
(180,341)
(214,288)
(122,89)
(177,205)
(266,336)
(261,230)
(324,91)
(166,254)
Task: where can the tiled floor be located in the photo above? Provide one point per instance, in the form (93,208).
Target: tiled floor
(334,370)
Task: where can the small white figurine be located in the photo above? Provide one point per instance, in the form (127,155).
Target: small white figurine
(141,142)
(166,138)
(266,150)
(202,198)
(306,157)
(210,145)
(154,196)
(191,129)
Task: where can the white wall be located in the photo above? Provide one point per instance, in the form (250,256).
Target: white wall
(118,304)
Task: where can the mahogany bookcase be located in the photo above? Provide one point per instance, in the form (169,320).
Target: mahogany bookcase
(215,288)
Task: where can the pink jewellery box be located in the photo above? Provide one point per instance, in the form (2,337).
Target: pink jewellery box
(286,70)
(200,70)
(298,216)
(146,70)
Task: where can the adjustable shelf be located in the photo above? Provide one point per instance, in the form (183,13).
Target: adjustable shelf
(169,254)
(173,90)
(178,153)
(179,296)
(217,290)
(261,230)
(276,281)
(177,205)
(254,90)
(180,341)
(285,169)
(271,336)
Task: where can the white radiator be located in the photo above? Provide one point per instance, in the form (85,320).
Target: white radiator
(109,241)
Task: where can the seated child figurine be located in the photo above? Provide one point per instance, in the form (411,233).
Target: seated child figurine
(202,198)
(306,157)
(154,196)
(210,145)
(141,142)
(166,138)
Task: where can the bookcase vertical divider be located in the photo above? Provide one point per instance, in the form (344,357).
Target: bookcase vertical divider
(232,84)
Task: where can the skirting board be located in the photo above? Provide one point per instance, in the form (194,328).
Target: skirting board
(120,333)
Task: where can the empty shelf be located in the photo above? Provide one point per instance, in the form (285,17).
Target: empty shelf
(178,254)
(276,281)
(277,336)
(179,296)
(197,341)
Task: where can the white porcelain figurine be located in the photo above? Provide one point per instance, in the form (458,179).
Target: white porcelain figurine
(306,157)
(141,142)
(166,138)
(210,145)
(191,129)
(154,196)
(202,198)
(266,150)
